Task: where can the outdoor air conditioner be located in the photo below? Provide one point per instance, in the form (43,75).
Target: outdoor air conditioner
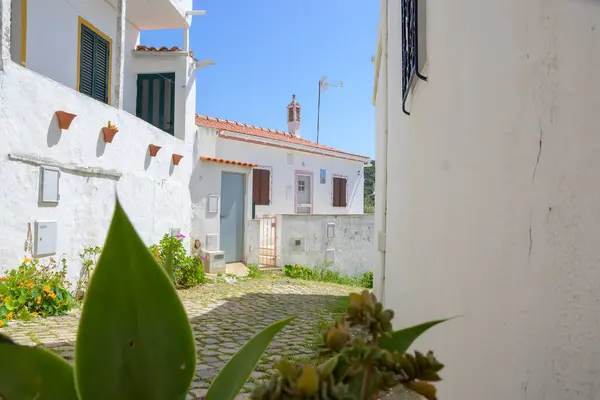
(215,262)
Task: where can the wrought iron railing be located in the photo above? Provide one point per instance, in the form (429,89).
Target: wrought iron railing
(410,47)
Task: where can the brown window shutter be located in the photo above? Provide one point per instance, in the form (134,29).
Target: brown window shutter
(264,186)
(343,193)
(260,186)
(336,192)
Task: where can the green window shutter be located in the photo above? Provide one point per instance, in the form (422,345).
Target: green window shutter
(94,65)
(155,101)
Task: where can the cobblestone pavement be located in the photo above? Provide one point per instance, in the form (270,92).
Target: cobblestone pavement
(223,316)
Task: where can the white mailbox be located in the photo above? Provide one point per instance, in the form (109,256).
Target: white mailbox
(45,238)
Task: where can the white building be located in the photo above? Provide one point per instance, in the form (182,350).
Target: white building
(488,203)
(72,73)
(82,60)
(256,172)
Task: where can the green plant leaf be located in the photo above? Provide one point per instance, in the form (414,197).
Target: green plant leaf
(401,340)
(10,305)
(28,373)
(134,339)
(227,384)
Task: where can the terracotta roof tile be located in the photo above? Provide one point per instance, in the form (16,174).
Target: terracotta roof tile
(230,162)
(163,49)
(251,130)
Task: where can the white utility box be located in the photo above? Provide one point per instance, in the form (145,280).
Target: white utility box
(215,262)
(45,238)
(49,185)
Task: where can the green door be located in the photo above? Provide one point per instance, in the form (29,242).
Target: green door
(156,100)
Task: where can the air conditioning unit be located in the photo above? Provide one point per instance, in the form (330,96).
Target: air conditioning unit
(215,262)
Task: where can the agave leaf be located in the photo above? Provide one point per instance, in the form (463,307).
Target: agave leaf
(28,373)
(401,340)
(235,373)
(134,339)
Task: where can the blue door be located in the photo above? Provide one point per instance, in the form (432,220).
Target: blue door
(232,215)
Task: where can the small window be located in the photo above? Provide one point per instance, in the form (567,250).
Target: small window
(261,187)
(94,64)
(156,100)
(339,192)
(409,43)
(301,186)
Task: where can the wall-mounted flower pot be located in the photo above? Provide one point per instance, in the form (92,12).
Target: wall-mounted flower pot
(64,119)
(177,158)
(154,149)
(109,133)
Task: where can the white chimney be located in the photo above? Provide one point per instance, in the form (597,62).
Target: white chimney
(294,117)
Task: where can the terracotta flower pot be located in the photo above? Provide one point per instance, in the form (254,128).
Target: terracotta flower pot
(154,149)
(177,158)
(109,133)
(64,119)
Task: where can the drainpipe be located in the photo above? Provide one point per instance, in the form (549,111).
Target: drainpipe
(382,237)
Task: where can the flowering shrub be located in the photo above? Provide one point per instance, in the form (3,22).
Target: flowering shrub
(34,290)
(298,272)
(89,259)
(186,270)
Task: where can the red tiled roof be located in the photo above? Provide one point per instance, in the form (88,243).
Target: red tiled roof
(251,130)
(163,49)
(230,162)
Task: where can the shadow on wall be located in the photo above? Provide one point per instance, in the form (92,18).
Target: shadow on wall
(54,132)
(233,323)
(100,144)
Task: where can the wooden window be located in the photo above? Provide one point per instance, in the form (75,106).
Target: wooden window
(261,185)
(339,192)
(94,63)
(156,100)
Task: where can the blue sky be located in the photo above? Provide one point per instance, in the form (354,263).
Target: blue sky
(266,50)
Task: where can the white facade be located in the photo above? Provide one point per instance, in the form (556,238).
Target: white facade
(285,159)
(153,191)
(487,200)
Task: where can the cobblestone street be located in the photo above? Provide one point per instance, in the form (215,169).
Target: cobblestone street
(223,316)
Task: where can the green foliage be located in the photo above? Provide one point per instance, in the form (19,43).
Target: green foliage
(359,366)
(89,259)
(33,373)
(254,271)
(135,342)
(185,271)
(34,289)
(235,373)
(369,190)
(324,274)
(134,339)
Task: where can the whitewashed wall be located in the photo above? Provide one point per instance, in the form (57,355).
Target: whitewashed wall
(350,250)
(493,196)
(154,192)
(283,178)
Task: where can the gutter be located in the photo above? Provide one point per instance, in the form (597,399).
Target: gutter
(382,236)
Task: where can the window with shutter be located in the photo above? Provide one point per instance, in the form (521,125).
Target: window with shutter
(94,62)
(339,192)
(156,100)
(261,185)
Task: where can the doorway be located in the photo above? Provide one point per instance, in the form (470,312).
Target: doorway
(233,188)
(303,193)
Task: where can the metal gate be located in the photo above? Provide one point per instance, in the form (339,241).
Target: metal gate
(268,249)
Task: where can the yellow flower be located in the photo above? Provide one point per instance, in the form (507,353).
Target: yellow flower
(30,286)
(26,260)
(22,270)
(9,316)
(52,295)
(39,300)
(34,314)
(7,298)
(46,288)
(1,323)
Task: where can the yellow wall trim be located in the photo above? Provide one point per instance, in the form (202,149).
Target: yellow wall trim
(23,32)
(104,36)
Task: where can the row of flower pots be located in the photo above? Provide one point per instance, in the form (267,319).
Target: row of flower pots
(109,132)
